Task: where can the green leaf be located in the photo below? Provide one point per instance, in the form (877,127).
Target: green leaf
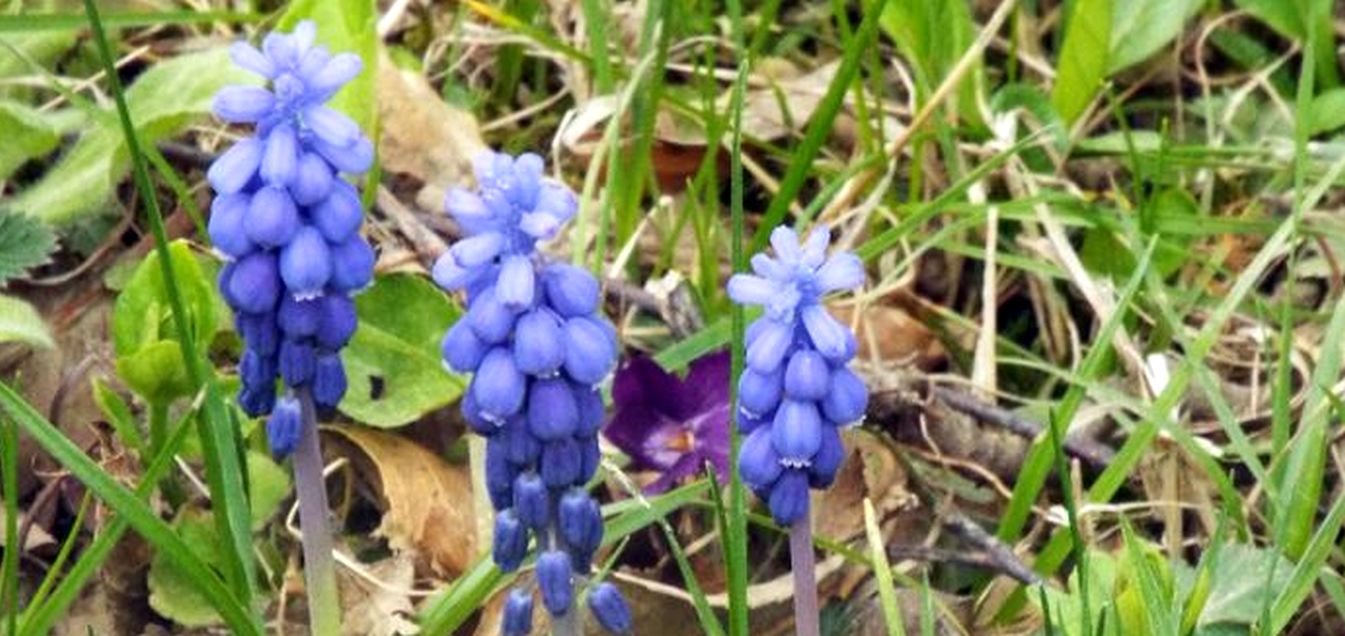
(168,544)
(118,414)
(149,357)
(141,315)
(1083,58)
(1292,18)
(19,322)
(171,593)
(162,101)
(28,133)
(934,34)
(24,243)
(345,26)
(1244,581)
(393,363)
(1067,606)
(1141,27)
(18,49)
(1327,112)
(270,486)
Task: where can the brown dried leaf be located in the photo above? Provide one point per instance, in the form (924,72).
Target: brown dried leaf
(870,471)
(383,608)
(888,334)
(426,502)
(423,136)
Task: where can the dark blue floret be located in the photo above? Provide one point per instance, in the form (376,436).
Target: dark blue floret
(610,608)
(517,620)
(288,223)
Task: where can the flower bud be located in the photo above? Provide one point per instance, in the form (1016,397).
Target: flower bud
(552,412)
(539,347)
(299,318)
(522,448)
(532,502)
(331,126)
(329,380)
(471,412)
(498,386)
(788,500)
(827,460)
(570,290)
(280,159)
(461,349)
(478,250)
(296,362)
(236,167)
(580,521)
(589,458)
(489,318)
(807,376)
(609,607)
(306,263)
(553,578)
(257,401)
(769,347)
(796,432)
(829,336)
(847,399)
(516,285)
(591,410)
(352,264)
(758,463)
(284,426)
(337,323)
(259,332)
(228,215)
(338,216)
(517,620)
(312,180)
(254,283)
(759,393)
(511,541)
(271,218)
(499,475)
(590,350)
(561,463)
(353,159)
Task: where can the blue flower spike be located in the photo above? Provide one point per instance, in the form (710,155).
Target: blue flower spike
(537,346)
(287,222)
(797,381)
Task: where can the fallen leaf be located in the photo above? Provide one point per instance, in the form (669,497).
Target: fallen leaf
(423,136)
(383,608)
(426,502)
(888,334)
(37,537)
(870,471)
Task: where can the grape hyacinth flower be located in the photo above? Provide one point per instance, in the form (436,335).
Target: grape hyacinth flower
(287,223)
(537,346)
(672,425)
(796,391)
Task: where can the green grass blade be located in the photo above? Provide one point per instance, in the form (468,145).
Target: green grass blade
(42,616)
(235,613)
(9,579)
(735,539)
(820,126)
(224,470)
(38,22)
(882,571)
(1308,569)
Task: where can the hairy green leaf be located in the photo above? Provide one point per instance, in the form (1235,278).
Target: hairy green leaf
(25,242)
(19,322)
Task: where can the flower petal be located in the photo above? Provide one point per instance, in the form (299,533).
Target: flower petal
(828,335)
(789,498)
(281,159)
(331,126)
(786,244)
(796,432)
(341,68)
(475,251)
(249,58)
(842,271)
(233,169)
(306,263)
(815,247)
(746,289)
(312,180)
(338,216)
(768,348)
(242,104)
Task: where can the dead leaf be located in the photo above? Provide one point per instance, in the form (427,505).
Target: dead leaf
(426,502)
(422,135)
(37,537)
(383,608)
(870,471)
(888,334)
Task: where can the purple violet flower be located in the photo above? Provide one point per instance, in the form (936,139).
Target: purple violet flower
(672,425)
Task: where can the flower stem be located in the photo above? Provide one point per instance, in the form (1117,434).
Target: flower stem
(324,607)
(802,562)
(564,625)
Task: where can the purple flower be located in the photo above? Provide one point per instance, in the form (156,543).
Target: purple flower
(289,224)
(797,390)
(672,425)
(537,346)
